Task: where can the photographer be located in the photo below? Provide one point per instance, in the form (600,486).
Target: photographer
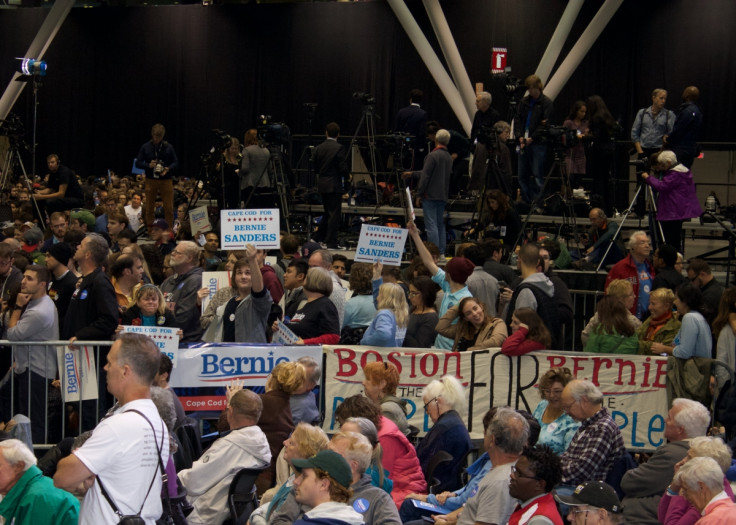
(677,198)
(484,119)
(534,112)
(459,149)
(158,158)
(255,176)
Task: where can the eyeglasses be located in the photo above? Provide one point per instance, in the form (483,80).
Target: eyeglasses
(555,392)
(578,511)
(428,402)
(568,407)
(412,294)
(516,472)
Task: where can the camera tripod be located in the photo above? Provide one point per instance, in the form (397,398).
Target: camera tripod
(367,118)
(569,222)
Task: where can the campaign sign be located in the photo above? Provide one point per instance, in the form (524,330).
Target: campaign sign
(381,244)
(213,281)
(242,227)
(199,220)
(284,335)
(634,386)
(166,339)
(77,372)
(215,365)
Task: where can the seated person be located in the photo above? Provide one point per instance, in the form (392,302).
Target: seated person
(622,289)
(528,333)
(661,326)
(246,446)
(558,427)
(614,334)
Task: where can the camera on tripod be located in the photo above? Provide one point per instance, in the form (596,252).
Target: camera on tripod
(559,137)
(365,98)
(272,132)
(397,141)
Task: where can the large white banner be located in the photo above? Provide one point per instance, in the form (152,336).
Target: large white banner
(634,386)
(215,365)
(77,372)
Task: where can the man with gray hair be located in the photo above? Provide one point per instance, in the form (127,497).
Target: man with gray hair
(637,269)
(122,455)
(92,314)
(645,484)
(504,440)
(597,442)
(180,290)
(433,189)
(27,495)
(483,122)
(373,503)
(246,446)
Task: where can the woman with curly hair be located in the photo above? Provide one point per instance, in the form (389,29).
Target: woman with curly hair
(614,334)
(379,385)
(528,333)
(475,329)
(558,427)
(388,328)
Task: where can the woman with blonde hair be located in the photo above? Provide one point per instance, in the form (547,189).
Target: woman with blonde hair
(622,289)
(661,326)
(303,443)
(558,427)
(388,328)
(148,309)
(613,334)
(475,329)
(276,422)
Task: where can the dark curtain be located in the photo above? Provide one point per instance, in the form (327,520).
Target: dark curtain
(113,72)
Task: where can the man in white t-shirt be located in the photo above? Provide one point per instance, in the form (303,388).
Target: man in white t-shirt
(122,453)
(134,211)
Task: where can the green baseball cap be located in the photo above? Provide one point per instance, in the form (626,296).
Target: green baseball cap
(331,462)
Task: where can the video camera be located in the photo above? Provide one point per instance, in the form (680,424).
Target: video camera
(559,137)
(365,98)
(273,132)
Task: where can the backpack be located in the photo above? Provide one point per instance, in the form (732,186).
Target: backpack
(547,309)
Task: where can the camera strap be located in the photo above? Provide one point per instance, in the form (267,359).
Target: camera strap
(164,477)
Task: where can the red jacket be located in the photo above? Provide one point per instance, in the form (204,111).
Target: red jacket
(542,506)
(400,459)
(626,269)
(518,344)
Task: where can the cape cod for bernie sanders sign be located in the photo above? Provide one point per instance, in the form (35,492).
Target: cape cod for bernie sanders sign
(634,386)
(257,227)
(380,244)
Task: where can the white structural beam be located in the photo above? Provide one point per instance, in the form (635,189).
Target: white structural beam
(451,53)
(50,26)
(432,62)
(564,26)
(581,48)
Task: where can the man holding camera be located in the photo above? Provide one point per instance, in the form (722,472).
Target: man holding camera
(483,122)
(158,158)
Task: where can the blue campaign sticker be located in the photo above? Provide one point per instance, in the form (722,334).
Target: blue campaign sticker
(181,285)
(83,295)
(361,505)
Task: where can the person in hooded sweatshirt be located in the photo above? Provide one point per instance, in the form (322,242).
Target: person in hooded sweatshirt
(536,291)
(245,446)
(379,385)
(323,483)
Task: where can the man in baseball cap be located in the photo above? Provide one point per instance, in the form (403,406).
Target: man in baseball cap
(323,483)
(593,499)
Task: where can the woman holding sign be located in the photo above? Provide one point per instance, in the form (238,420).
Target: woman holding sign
(149,309)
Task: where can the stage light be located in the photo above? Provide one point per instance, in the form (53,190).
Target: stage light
(31,66)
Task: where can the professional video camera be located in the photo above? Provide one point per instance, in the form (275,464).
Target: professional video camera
(271,132)
(559,137)
(397,141)
(365,98)
(219,141)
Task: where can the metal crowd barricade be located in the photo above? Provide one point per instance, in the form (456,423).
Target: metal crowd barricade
(66,411)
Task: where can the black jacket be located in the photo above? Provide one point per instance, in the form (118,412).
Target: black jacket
(331,165)
(92,314)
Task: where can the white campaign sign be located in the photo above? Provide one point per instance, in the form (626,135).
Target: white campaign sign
(77,372)
(634,385)
(258,227)
(213,365)
(199,220)
(213,281)
(165,338)
(381,244)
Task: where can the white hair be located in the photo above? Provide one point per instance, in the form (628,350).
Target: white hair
(714,448)
(632,238)
(693,417)
(359,449)
(701,469)
(580,389)
(442,137)
(485,95)
(667,158)
(450,390)
(15,451)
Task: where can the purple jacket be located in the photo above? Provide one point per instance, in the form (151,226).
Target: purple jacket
(677,197)
(676,510)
